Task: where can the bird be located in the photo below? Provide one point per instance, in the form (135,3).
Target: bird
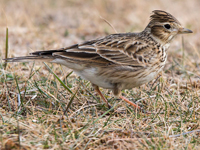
(118,61)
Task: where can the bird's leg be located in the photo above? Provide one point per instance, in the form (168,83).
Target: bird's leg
(101,95)
(117,92)
(131,103)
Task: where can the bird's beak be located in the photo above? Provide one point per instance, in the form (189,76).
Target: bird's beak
(184,30)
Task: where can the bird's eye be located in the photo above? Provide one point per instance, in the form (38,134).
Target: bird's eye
(167,26)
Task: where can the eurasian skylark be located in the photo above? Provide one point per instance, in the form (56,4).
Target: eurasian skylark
(118,61)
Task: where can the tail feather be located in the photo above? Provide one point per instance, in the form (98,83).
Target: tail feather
(28,59)
(50,52)
(35,56)
(45,53)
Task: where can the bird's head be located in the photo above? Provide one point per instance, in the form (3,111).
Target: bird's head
(164,27)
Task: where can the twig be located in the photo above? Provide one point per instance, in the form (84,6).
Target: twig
(178,135)
(109,24)
(137,138)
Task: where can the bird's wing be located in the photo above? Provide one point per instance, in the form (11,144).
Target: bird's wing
(125,50)
(120,49)
(115,49)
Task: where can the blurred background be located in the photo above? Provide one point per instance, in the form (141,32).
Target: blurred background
(48,24)
(35,25)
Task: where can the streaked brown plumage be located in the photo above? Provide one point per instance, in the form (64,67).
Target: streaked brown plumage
(118,61)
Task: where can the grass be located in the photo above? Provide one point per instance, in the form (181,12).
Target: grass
(46,106)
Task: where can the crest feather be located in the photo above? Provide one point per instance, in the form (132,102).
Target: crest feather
(162,16)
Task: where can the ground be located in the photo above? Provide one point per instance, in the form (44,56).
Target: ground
(35,98)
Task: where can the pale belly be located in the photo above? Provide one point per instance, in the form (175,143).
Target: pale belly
(91,74)
(115,76)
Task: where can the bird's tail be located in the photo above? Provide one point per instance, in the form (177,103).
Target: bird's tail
(35,56)
(27,59)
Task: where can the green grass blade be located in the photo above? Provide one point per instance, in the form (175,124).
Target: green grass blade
(6,52)
(61,82)
(70,102)
(21,103)
(40,90)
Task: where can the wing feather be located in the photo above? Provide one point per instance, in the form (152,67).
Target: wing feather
(126,49)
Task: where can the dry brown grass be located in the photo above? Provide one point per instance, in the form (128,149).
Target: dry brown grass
(39,122)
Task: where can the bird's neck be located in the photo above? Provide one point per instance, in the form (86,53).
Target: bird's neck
(162,45)
(160,39)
